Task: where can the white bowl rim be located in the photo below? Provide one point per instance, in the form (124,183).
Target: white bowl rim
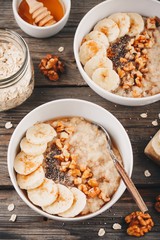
(116,97)
(54,217)
(37,27)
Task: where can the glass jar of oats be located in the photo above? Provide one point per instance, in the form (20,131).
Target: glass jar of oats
(16,70)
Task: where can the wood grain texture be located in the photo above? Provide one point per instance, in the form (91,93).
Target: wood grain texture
(29,224)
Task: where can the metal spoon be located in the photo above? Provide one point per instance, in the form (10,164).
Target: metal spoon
(127,180)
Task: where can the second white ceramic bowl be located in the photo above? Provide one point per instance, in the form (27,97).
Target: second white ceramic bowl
(100,11)
(41,32)
(72,107)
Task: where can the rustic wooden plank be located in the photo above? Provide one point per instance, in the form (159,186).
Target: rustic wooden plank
(128,116)
(40,47)
(30,225)
(139,130)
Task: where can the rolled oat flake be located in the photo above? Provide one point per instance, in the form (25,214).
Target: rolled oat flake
(101,232)
(11,207)
(147,173)
(8,125)
(117,226)
(16,70)
(13,218)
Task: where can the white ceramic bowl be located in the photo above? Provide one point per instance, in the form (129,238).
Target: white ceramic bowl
(41,32)
(72,107)
(100,11)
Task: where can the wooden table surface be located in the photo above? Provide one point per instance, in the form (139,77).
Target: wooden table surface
(29,224)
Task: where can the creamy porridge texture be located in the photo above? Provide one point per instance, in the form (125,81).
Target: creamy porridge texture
(70,157)
(154,64)
(89,143)
(134,53)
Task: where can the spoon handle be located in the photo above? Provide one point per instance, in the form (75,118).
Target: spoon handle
(130,186)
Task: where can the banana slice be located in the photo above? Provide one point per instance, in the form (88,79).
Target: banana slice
(106,78)
(40,133)
(45,194)
(78,205)
(90,48)
(32,149)
(62,203)
(97,62)
(136,24)
(123,22)
(25,164)
(32,180)
(109,28)
(97,36)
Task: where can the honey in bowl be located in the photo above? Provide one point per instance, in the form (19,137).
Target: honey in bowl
(54,6)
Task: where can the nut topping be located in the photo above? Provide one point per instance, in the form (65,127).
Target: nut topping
(51,66)
(139,223)
(130,58)
(157,204)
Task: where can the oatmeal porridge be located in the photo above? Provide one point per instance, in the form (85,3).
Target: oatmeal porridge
(129,65)
(61,162)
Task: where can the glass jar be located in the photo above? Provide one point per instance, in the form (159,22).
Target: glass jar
(16,70)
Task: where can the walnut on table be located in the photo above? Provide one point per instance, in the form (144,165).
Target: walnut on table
(152,150)
(51,66)
(157,204)
(139,223)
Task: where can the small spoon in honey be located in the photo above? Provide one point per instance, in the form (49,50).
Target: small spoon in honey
(40,14)
(126,179)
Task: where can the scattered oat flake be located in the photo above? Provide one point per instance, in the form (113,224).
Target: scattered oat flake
(117,226)
(13,218)
(147,173)
(143,115)
(8,125)
(155,122)
(101,232)
(60,49)
(11,207)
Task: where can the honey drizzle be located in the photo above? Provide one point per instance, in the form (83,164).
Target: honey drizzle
(54,6)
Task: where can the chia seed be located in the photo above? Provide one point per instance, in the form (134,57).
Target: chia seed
(118,50)
(52,166)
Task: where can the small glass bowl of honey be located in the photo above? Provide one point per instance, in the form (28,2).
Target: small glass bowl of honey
(33,23)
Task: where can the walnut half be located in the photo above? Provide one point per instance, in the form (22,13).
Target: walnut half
(157,204)
(139,223)
(51,66)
